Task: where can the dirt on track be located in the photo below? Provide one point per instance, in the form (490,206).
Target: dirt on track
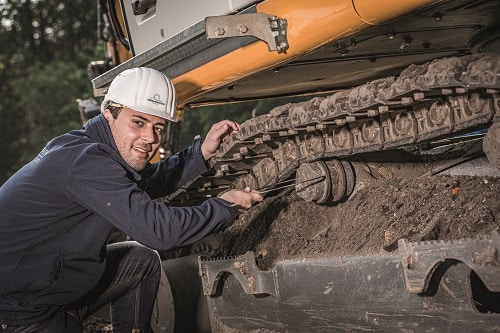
(377,214)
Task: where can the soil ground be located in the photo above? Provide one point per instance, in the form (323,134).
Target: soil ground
(388,203)
(382,209)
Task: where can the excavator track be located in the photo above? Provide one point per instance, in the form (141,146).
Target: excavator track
(315,138)
(430,286)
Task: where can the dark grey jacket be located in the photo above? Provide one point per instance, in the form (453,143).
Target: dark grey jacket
(57,212)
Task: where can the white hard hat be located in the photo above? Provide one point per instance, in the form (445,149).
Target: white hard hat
(145,90)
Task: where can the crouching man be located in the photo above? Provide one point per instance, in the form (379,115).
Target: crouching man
(57,212)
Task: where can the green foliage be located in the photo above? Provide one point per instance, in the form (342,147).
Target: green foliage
(49,30)
(46,46)
(47,104)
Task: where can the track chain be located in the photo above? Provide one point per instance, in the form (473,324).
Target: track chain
(430,101)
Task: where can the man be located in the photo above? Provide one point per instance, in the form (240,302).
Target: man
(57,212)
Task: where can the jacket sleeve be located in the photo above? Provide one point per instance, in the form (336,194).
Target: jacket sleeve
(167,176)
(101,185)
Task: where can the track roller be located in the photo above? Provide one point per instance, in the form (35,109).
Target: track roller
(324,181)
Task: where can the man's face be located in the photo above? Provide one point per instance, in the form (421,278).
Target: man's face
(137,135)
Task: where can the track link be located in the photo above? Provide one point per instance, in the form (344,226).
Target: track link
(425,102)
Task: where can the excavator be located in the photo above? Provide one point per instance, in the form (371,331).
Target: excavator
(359,78)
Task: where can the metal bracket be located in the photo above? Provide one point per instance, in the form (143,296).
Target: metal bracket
(421,259)
(244,269)
(268,28)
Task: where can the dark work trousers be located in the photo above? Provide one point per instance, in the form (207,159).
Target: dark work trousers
(130,283)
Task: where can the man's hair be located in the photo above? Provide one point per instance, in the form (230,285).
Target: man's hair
(115,110)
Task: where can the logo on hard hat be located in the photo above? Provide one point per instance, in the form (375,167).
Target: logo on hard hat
(156,99)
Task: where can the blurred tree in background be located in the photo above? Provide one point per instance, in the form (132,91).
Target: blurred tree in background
(45,48)
(48,107)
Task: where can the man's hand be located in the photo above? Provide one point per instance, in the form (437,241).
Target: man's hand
(242,199)
(216,135)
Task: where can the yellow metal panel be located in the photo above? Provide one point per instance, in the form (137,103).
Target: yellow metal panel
(311,23)
(375,12)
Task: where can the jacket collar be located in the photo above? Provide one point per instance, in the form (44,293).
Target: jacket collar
(97,128)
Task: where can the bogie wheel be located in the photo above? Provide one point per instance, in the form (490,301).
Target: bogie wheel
(312,182)
(342,180)
(324,182)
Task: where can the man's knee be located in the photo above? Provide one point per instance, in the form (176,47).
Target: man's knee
(136,256)
(149,257)
(144,252)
